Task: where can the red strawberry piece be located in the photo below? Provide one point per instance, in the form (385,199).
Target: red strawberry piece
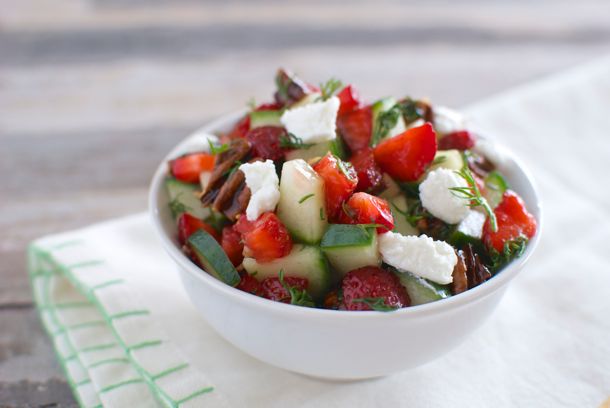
(188,225)
(513,221)
(272,288)
(266,238)
(405,156)
(187,168)
(340,181)
(355,128)
(363,208)
(370,178)
(349,98)
(232,245)
(371,282)
(248,283)
(461,140)
(265,142)
(240,129)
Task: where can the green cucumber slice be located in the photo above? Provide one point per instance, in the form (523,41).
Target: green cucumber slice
(447,159)
(212,257)
(400,207)
(495,188)
(420,290)
(317,150)
(302,207)
(182,198)
(350,247)
(265,118)
(302,262)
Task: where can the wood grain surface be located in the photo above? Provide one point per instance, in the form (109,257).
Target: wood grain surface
(94,92)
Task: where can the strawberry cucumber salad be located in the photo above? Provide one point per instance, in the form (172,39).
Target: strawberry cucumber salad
(319,199)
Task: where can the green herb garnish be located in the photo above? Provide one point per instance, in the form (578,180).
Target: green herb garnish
(474,197)
(384,123)
(229,172)
(336,148)
(291,141)
(329,88)
(512,249)
(438,160)
(177,207)
(298,296)
(414,212)
(305,198)
(322,214)
(217,149)
(376,303)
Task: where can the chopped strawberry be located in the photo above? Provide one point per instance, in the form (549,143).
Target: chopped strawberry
(363,208)
(232,245)
(248,283)
(266,238)
(405,156)
(188,225)
(240,129)
(513,221)
(265,142)
(461,140)
(272,288)
(356,128)
(370,178)
(340,181)
(187,168)
(372,285)
(350,99)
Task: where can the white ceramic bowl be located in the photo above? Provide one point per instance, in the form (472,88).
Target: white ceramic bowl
(339,344)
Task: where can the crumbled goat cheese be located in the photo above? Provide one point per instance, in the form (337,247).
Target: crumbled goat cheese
(472,225)
(314,122)
(439,200)
(263,183)
(420,255)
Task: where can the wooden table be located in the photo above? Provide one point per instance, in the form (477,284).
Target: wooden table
(94,92)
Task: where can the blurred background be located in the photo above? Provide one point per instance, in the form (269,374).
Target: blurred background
(93,93)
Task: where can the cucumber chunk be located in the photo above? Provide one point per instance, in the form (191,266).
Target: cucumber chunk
(302,206)
(302,262)
(265,118)
(182,198)
(318,150)
(400,207)
(495,188)
(447,159)
(212,257)
(384,105)
(420,290)
(350,247)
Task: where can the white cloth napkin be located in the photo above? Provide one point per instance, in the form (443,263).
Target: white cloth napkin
(126,332)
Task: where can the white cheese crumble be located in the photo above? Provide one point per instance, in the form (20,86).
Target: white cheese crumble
(263,183)
(314,122)
(198,142)
(472,225)
(420,255)
(439,200)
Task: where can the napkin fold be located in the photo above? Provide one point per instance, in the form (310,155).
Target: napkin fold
(127,336)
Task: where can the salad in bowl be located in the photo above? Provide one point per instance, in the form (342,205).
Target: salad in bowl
(320,200)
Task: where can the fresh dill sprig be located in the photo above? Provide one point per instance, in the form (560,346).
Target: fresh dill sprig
(413,213)
(297,296)
(229,172)
(512,249)
(376,303)
(473,195)
(329,88)
(305,198)
(217,149)
(291,141)
(438,160)
(384,123)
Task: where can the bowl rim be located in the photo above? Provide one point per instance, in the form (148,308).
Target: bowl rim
(440,306)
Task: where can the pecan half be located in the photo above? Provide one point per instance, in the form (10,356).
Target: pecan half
(480,165)
(425,109)
(460,280)
(238,150)
(233,196)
